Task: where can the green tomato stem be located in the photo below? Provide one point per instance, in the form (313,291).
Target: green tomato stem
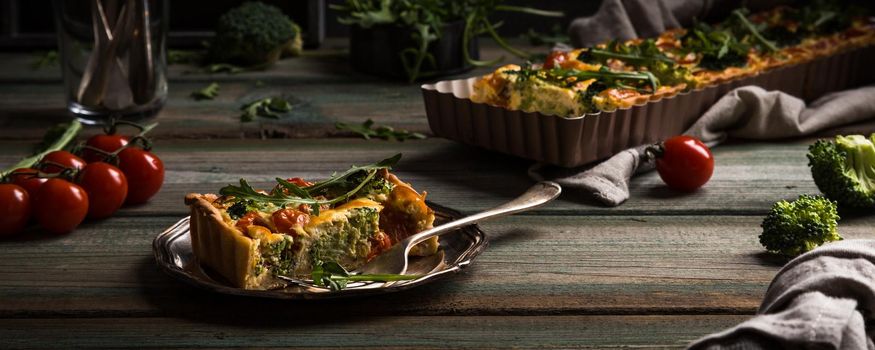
(61,142)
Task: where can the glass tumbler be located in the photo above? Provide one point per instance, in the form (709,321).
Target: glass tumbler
(112,57)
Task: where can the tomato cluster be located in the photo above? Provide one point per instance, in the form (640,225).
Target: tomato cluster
(64,188)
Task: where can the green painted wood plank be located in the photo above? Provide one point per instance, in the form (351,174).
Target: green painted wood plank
(749,177)
(535,265)
(339,331)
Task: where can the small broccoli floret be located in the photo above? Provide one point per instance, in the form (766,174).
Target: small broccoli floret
(844,170)
(793,228)
(252,34)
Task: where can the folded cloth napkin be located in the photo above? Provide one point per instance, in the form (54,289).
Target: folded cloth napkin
(747,112)
(629,19)
(820,300)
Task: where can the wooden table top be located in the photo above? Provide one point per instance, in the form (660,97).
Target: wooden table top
(658,271)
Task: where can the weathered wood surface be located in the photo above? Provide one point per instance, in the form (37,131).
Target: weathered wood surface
(658,271)
(321,83)
(397,332)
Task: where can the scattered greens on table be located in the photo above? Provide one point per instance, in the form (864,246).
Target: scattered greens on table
(207,93)
(47,59)
(368,130)
(793,228)
(424,20)
(269,107)
(335,277)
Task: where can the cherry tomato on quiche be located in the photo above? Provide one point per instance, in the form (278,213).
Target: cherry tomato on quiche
(27,179)
(107,188)
(60,206)
(286,219)
(56,161)
(103,142)
(15,209)
(247,220)
(684,163)
(554,60)
(144,172)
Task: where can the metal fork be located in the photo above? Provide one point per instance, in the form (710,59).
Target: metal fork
(394,260)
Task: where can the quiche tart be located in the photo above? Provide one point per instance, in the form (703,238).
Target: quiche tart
(619,75)
(250,237)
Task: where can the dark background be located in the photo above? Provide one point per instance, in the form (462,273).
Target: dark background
(29,24)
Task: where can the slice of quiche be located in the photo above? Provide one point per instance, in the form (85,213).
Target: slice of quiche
(250,237)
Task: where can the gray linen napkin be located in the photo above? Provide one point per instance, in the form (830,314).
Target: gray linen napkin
(747,112)
(629,19)
(820,300)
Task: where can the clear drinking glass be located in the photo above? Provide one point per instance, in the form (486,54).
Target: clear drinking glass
(113,57)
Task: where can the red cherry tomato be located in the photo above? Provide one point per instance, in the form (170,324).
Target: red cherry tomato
(685,163)
(55,161)
(107,188)
(26,178)
(60,206)
(15,207)
(286,219)
(554,59)
(103,142)
(300,182)
(247,220)
(144,171)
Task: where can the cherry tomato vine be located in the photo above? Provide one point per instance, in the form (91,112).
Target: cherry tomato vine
(58,189)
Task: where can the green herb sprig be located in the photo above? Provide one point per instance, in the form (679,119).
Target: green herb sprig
(269,107)
(332,275)
(368,130)
(207,93)
(47,59)
(296,195)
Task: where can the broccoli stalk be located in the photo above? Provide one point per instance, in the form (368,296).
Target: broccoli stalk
(254,34)
(844,170)
(793,228)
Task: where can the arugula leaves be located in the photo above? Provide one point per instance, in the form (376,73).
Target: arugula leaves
(719,48)
(269,107)
(369,130)
(207,93)
(287,193)
(330,274)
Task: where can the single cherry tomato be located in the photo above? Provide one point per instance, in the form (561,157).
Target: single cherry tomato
(684,163)
(103,142)
(107,188)
(15,209)
(27,178)
(554,59)
(300,182)
(56,161)
(144,171)
(247,220)
(60,206)
(286,219)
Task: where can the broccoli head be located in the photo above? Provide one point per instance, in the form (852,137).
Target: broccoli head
(252,34)
(844,170)
(793,228)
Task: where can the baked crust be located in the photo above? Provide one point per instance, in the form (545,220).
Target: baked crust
(223,247)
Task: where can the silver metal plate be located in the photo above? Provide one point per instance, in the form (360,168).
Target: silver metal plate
(173,253)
